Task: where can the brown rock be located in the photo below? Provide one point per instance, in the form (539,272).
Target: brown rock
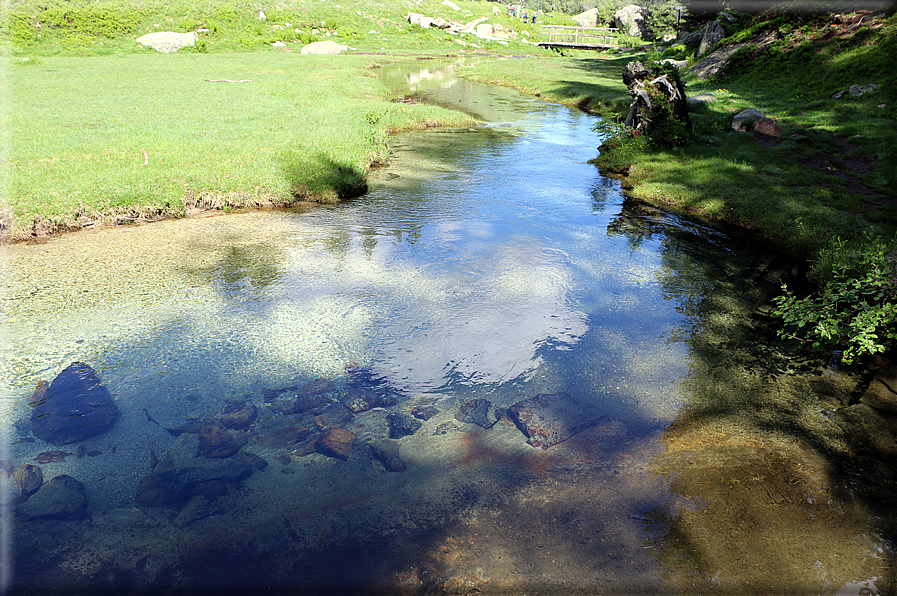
(866,428)
(549,419)
(238,416)
(215,440)
(336,442)
(768,127)
(882,392)
(388,452)
(29,478)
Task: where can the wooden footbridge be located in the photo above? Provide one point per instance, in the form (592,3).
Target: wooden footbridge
(578,38)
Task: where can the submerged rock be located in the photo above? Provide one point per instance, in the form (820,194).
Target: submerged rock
(362,401)
(551,418)
(29,478)
(336,442)
(476,411)
(238,416)
(177,485)
(62,498)
(388,453)
(424,412)
(215,440)
(401,425)
(75,406)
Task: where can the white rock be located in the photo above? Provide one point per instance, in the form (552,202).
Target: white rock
(323,47)
(451,4)
(168,41)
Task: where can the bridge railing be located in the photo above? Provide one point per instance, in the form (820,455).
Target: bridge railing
(580,36)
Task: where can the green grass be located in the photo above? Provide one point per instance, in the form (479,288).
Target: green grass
(304,128)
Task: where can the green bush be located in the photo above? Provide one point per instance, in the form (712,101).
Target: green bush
(855,308)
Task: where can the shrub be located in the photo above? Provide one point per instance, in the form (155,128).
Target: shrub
(855,308)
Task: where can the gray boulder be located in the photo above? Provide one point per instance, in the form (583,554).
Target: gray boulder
(61,498)
(589,18)
(855,91)
(713,33)
(633,20)
(715,62)
(75,406)
(168,41)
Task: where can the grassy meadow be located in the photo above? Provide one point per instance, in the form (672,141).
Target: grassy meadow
(157,133)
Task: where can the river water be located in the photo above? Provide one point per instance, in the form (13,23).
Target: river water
(491,263)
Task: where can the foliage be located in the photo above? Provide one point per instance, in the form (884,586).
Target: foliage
(856,306)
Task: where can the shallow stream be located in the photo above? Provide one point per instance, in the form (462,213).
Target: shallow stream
(491,263)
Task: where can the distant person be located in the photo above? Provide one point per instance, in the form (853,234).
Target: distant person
(534,17)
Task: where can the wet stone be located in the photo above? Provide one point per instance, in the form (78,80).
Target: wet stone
(336,442)
(303,404)
(401,425)
(424,412)
(551,418)
(317,386)
(62,498)
(196,508)
(177,485)
(256,462)
(238,416)
(332,418)
(29,478)
(75,406)
(216,440)
(360,401)
(387,452)
(286,434)
(476,411)
(882,392)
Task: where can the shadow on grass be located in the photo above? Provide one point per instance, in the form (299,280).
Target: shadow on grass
(321,178)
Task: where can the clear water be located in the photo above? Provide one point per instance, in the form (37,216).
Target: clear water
(490,263)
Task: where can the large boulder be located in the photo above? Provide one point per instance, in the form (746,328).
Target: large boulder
(323,47)
(589,18)
(753,119)
(61,498)
(168,41)
(633,20)
(713,34)
(75,406)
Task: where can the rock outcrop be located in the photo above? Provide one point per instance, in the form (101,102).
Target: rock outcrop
(713,34)
(75,406)
(168,41)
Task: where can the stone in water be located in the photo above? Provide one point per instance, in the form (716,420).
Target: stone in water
(551,418)
(75,406)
